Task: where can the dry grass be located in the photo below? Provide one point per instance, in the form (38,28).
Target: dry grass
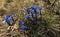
(16,7)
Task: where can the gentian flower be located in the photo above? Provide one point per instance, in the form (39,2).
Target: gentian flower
(11,15)
(36,14)
(21,22)
(27,16)
(34,7)
(39,8)
(31,10)
(23,27)
(26,9)
(7,19)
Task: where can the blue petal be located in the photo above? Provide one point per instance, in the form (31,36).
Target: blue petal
(7,19)
(11,15)
(21,22)
(23,27)
(31,10)
(39,8)
(34,7)
(36,14)
(25,9)
(27,16)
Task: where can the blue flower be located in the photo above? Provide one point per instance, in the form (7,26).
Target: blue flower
(23,27)
(26,9)
(34,7)
(21,22)
(36,14)
(31,10)
(39,8)
(7,19)
(11,15)
(27,16)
